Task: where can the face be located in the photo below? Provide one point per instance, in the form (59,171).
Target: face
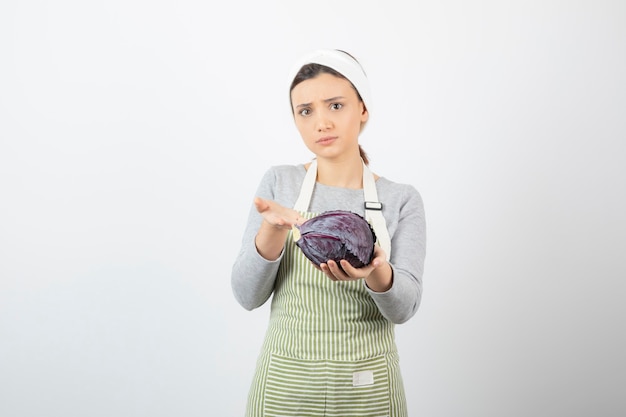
(328,115)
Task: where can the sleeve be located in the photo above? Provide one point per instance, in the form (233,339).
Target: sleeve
(252,276)
(408,243)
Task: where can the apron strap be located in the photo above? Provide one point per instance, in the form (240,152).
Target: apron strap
(374,211)
(306,191)
(373,208)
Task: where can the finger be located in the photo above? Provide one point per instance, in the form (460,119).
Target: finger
(324,268)
(348,269)
(337,271)
(355,273)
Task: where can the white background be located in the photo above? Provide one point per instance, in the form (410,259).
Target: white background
(134,133)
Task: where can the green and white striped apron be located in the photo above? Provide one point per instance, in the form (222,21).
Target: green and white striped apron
(328,350)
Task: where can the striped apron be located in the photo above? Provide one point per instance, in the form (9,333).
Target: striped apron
(328,350)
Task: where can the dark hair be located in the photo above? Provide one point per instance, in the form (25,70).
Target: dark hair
(310,71)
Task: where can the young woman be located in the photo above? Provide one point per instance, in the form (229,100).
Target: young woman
(330,348)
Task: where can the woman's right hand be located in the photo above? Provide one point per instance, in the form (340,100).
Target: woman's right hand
(277,221)
(276,215)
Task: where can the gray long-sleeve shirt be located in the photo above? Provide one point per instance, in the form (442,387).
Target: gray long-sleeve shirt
(253,276)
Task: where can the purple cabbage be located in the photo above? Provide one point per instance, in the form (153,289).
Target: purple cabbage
(336,235)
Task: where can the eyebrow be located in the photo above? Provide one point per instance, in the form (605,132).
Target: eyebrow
(327,100)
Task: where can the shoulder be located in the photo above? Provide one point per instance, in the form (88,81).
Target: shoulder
(288,170)
(282,183)
(285,173)
(399,195)
(386,185)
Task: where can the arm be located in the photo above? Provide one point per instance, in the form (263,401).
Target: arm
(400,302)
(254,270)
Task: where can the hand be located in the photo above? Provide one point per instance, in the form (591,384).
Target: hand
(276,215)
(349,273)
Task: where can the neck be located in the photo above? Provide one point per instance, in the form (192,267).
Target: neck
(345,173)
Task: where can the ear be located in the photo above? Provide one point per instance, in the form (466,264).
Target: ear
(365,115)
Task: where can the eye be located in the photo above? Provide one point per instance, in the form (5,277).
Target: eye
(304,112)
(336,106)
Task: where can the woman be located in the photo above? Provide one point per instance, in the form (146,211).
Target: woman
(330,348)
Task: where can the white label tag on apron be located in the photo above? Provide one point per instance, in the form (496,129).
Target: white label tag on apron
(362,378)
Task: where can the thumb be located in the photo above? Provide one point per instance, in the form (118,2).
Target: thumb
(375,263)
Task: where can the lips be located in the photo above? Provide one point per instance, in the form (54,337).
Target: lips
(326,140)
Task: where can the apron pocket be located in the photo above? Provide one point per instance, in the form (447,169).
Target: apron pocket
(296,387)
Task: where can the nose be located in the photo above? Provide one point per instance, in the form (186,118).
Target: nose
(323,122)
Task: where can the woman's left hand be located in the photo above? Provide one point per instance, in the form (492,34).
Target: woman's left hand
(377,273)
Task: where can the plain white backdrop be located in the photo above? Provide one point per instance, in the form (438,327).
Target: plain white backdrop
(133,135)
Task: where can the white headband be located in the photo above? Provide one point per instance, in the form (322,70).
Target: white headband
(343,64)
